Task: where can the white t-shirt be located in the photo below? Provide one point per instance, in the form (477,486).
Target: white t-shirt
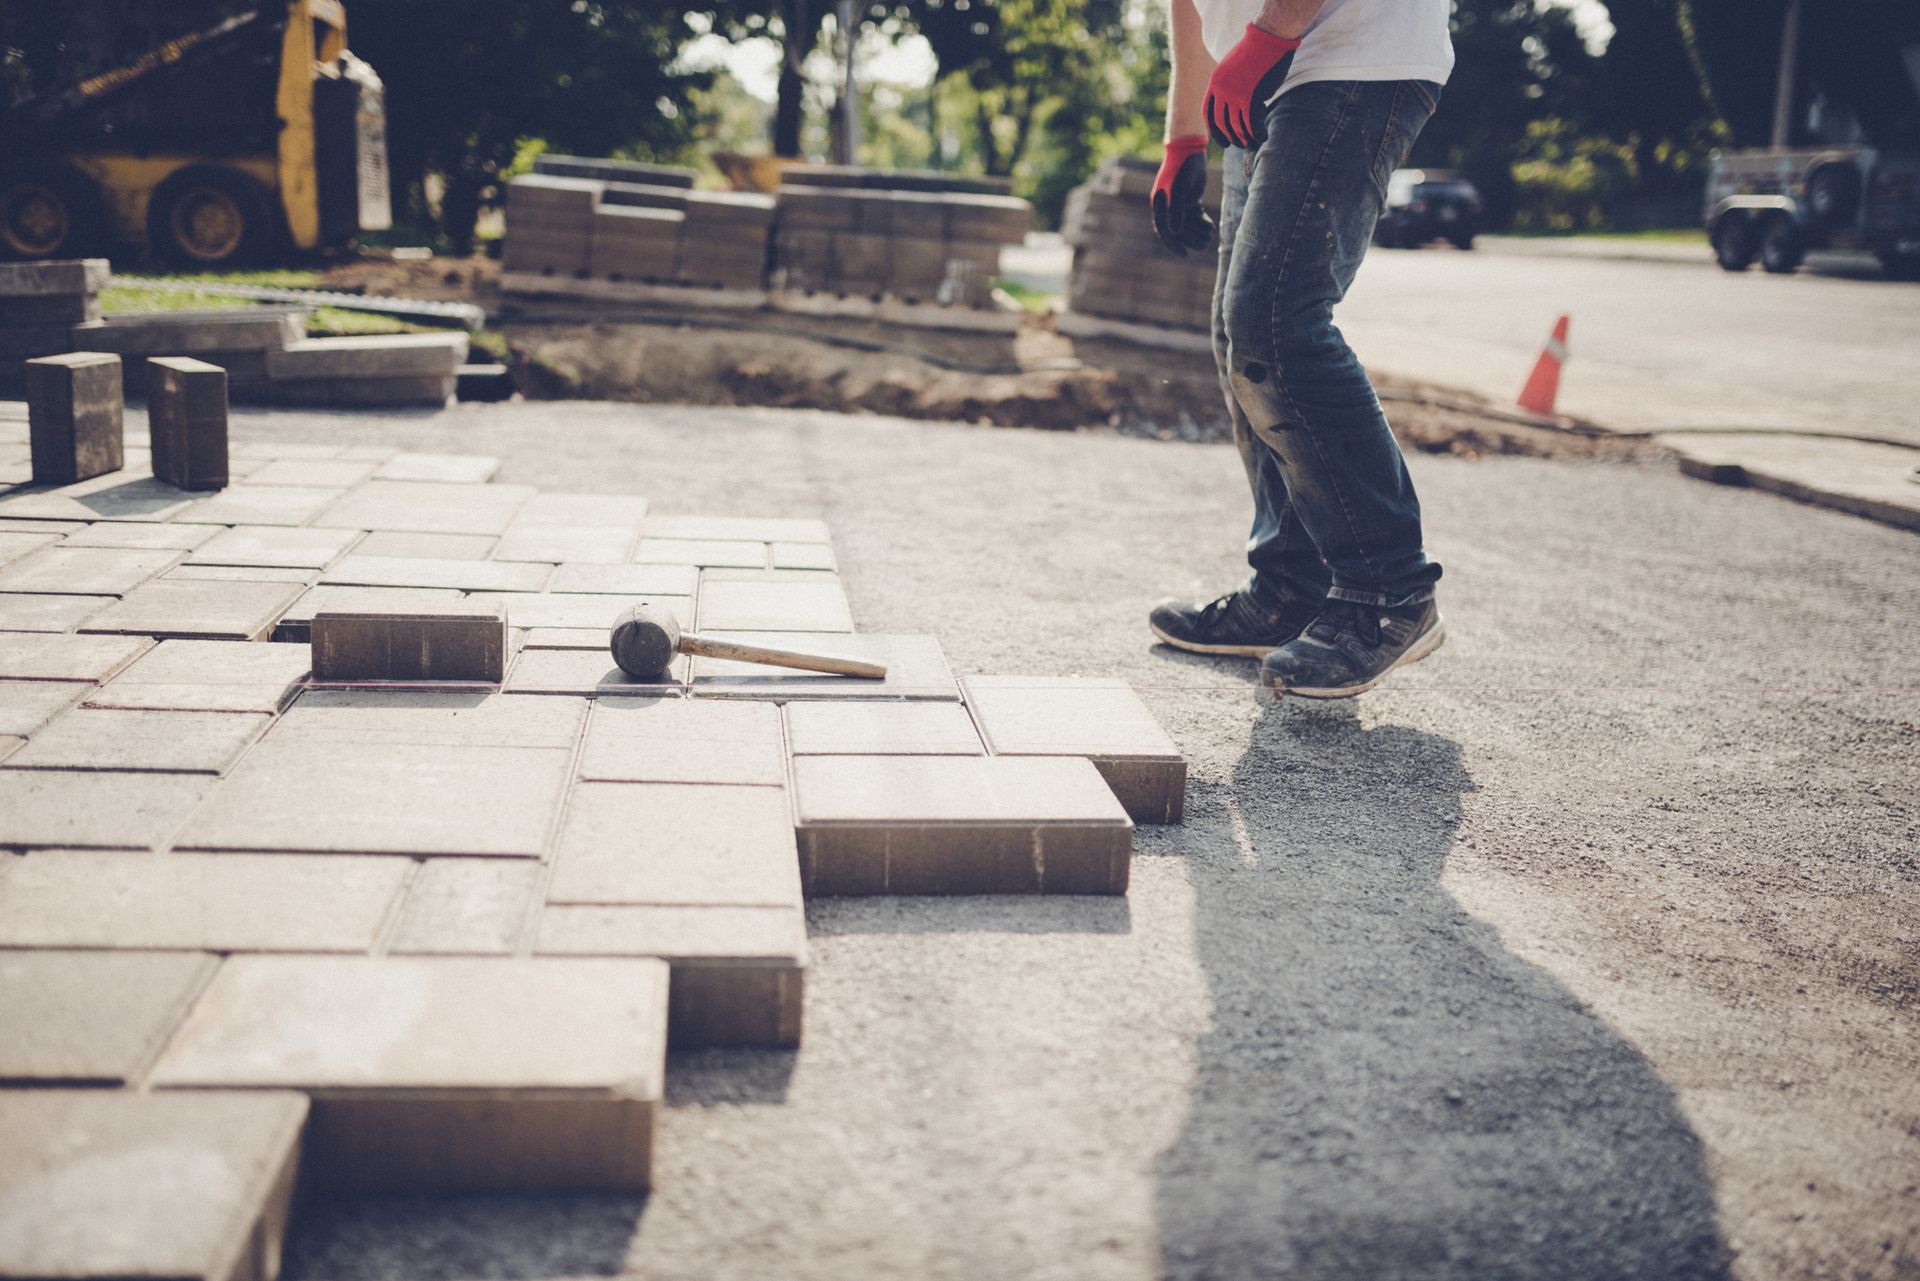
(1348,39)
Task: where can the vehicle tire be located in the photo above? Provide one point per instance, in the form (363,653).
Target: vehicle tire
(207,218)
(50,211)
(1462,240)
(1734,244)
(1833,194)
(1783,247)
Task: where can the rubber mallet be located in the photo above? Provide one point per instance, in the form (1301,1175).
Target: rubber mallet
(646,638)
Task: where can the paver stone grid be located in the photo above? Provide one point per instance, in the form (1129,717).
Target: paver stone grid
(463,921)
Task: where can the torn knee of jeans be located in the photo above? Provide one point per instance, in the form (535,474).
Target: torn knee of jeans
(1254,372)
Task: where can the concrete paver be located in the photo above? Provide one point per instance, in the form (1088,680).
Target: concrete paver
(872,728)
(461,469)
(669,843)
(14,544)
(174,742)
(45,808)
(130,535)
(110,1184)
(1101,719)
(85,571)
(466,906)
(296,620)
(684,741)
(427,507)
(531,609)
(449,719)
(781,606)
(439,641)
(215,902)
(44,657)
(210,676)
(20,612)
(388,542)
(198,609)
(576,661)
(91,1018)
(706,553)
(250,504)
(463,575)
(625,580)
(275,547)
(26,705)
(445,1071)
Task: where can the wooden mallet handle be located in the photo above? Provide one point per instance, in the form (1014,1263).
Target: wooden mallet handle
(714,647)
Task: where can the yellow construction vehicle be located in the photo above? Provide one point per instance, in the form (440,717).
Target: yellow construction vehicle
(215,132)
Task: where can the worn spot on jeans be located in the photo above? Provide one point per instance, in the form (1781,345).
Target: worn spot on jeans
(1256,372)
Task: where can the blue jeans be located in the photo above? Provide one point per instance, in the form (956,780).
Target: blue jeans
(1334,509)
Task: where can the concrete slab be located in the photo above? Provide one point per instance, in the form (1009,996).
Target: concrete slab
(537,1074)
(1100,719)
(91,1018)
(958,825)
(678,741)
(200,610)
(275,547)
(1854,476)
(111,1184)
(873,728)
(669,843)
(203,902)
(208,676)
(48,809)
(39,656)
(170,742)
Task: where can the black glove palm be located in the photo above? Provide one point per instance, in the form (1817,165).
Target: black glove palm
(1180,218)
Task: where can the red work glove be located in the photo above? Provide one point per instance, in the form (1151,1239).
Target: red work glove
(1179,217)
(1246,78)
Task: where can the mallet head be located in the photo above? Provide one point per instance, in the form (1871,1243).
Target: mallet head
(645,640)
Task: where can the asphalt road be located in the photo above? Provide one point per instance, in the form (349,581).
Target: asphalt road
(1586,949)
(1655,344)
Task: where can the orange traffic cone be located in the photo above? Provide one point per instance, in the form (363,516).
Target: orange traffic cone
(1544,383)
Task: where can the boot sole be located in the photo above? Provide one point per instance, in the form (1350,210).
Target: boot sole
(1415,652)
(1228,651)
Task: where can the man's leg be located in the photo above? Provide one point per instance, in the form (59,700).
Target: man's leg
(1289,580)
(1317,187)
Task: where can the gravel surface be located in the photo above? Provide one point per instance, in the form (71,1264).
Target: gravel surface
(1586,949)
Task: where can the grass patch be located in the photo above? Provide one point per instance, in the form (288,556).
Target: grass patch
(325,322)
(270,278)
(1035,300)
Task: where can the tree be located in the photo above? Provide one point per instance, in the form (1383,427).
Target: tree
(795,25)
(467,83)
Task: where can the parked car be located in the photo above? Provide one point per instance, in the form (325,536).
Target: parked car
(1776,205)
(1424,205)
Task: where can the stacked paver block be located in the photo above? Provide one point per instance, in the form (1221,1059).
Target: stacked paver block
(550,224)
(385,369)
(913,244)
(187,421)
(631,171)
(1121,271)
(76,417)
(929,180)
(637,233)
(462,923)
(236,339)
(41,302)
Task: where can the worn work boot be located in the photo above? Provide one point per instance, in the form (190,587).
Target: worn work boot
(1233,624)
(1350,648)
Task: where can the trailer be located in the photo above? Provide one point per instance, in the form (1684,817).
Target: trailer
(1777,204)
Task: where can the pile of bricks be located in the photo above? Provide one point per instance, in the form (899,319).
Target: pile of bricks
(918,237)
(265,351)
(1121,271)
(358,913)
(641,233)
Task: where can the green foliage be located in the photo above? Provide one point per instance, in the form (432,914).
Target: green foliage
(1567,182)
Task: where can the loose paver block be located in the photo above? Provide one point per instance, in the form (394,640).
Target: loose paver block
(738,972)
(959,825)
(250,504)
(215,902)
(75,413)
(466,906)
(47,808)
(85,571)
(589,672)
(388,542)
(26,705)
(198,609)
(749,528)
(873,728)
(129,534)
(275,547)
(1100,719)
(208,676)
(425,507)
(296,620)
(187,421)
(675,740)
(916,668)
(89,738)
(457,469)
(38,656)
(538,1074)
(321,473)
(706,553)
(39,612)
(783,606)
(674,843)
(462,575)
(461,640)
(384,798)
(91,1018)
(579,578)
(193,1186)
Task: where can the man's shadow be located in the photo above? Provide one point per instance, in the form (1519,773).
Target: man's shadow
(1386,1092)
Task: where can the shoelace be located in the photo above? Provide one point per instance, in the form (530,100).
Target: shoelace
(1214,610)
